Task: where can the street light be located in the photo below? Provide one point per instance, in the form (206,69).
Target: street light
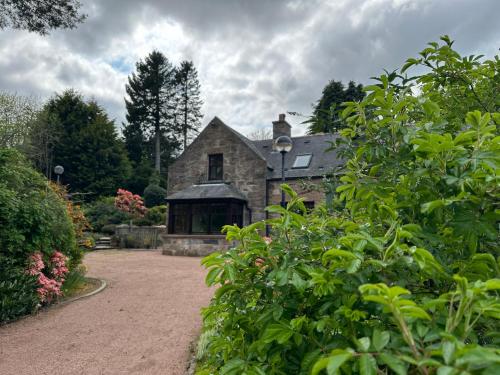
(283,145)
(58,170)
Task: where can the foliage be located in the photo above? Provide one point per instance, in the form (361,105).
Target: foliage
(16,115)
(154,195)
(405,278)
(87,146)
(33,218)
(155,216)
(151,109)
(130,203)
(75,279)
(40,16)
(103,213)
(188,100)
(75,212)
(327,118)
(261,134)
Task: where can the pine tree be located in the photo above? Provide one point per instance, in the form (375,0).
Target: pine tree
(151,106)
(326,115)
(189,102)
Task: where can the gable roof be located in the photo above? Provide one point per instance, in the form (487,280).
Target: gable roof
(244,139)
(315,145)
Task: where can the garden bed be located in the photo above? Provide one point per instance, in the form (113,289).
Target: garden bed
(86,288)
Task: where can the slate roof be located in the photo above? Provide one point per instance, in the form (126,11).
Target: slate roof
(321,161)
(205,191)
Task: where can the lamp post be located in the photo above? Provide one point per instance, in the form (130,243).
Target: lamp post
(58,170)
(283,145)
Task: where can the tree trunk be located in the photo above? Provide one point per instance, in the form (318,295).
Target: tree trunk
(157,149)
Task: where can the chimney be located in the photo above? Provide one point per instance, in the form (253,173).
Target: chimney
(281,127)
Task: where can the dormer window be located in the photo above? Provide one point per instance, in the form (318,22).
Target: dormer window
(215,167)
(302,161)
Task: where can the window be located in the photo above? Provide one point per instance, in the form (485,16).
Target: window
(215,170)
(204,217)
(302,161)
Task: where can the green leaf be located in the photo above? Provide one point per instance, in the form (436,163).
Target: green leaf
(448,349)
(364,344)
(277,332)
(393,362)
(212,276)
(336,360)
(380,339)
(446,370)
(233,366)
(492,284)
(367,365)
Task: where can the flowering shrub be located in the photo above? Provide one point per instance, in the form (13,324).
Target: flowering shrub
(33,219)
(131,203)
(48,287)
(404,277)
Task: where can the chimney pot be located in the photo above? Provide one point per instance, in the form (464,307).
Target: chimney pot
(281,117)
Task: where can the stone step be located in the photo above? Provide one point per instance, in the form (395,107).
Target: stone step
(102,247)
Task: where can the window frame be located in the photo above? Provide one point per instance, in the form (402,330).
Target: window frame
(308,162)
(234,214)
(213,163)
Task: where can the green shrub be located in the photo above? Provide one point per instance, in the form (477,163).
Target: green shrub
(103,213)
(154,216)
(33,218)
(154,195)
(405,277)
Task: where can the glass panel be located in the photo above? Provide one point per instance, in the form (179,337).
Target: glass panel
(180,217)
(201,218)
(215,164)
(237,214)
(218,217)
(302,161)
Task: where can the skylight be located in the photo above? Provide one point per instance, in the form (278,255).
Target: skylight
(302,161)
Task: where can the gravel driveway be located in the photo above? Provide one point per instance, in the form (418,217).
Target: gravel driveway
(142,323)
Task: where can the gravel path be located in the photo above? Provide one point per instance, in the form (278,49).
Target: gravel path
(142,323)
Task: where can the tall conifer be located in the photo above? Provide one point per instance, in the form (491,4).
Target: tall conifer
(151,106)
(188,102)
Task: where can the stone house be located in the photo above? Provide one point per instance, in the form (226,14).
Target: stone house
(225,178)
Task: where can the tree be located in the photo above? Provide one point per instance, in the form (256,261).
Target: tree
(151,106)
(260,134)
(40,16)
(326,115)
(189,101)
(16,116)
(42,138)
(87,145)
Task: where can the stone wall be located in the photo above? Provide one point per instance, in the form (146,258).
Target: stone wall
(242,167)
(308,189)
(192,245)
(137,237)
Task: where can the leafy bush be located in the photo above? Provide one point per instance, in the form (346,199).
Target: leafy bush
(103,212)
(33,218)
(155,216)
(154,195)
(405,277)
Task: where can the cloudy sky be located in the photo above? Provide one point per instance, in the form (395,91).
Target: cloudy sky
(256,58)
